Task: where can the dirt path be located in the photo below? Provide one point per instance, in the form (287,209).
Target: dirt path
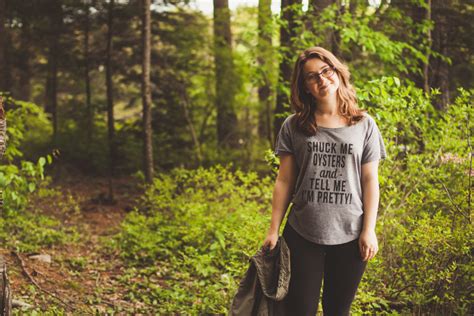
(84,275)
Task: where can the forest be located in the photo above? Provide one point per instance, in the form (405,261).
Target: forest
(138,153)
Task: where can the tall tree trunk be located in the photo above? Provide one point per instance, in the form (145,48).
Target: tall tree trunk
(353,4)
(286,64)
(426,65)
(25,67)
(313,17)
(3,63)
(225,76)
(441,9)
(418,14)
(110,100)
(146,91)
(89,110)
(186,103)
(336,37)
(248,138)
(265,64)
(55,20)
(8,56)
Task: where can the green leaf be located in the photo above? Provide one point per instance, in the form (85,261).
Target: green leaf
(397,81)
(41,162)
(31,187)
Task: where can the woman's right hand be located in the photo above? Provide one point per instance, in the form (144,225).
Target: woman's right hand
(271,240)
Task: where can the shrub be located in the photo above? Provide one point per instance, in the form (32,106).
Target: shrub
(19,179)
(196,229)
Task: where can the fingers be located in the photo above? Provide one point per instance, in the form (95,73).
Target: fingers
(267,248)
(367,252)
(269,245)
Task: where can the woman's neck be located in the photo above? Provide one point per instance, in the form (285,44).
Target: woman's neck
(327,107)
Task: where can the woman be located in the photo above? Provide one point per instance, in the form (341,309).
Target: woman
(329,153)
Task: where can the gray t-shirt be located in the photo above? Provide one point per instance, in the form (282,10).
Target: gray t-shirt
(327,201)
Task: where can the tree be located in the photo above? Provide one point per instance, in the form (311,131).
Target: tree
(2,44)
(442,11)
(146,91)
(87,79)
(289,11)
(110,99)
(313,16)
(225,76)
(24,62)
(54,31)
(264,58)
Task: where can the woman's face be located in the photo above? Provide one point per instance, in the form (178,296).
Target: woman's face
(320,79)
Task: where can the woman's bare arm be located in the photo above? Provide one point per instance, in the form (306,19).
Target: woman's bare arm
(282,191)
(370,193)
(368,243)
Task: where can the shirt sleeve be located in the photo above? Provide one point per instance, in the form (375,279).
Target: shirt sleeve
(374,147)
(284,143)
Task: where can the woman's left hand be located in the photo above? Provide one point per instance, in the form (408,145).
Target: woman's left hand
(368,244)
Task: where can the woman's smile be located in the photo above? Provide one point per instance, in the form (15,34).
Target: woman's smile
(321,82)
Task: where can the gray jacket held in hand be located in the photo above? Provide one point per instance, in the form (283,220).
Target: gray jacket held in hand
(265,284)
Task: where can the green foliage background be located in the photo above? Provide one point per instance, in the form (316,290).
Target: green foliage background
(187,243)
(195,230)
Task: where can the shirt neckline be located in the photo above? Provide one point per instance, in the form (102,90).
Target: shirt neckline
(334,128)
(340,127)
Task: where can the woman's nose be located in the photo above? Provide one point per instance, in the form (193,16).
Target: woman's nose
(322,81)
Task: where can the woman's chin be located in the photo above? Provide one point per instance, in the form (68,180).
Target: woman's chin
(325,93)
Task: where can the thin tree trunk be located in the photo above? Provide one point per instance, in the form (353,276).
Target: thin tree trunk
(419,14)
(3,63)
(265,64)
(426,65)
(353,4)
(25,67)
(225,76)
(209,109)
(53,55)
(313,17)
(288,56)
(248,139)
(186,105)
(336,37)
(440,75)
(110,100)
(89,110)
(146,91)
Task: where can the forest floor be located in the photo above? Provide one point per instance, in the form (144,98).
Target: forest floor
(84,274)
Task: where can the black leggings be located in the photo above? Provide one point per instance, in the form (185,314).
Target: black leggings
(341,265)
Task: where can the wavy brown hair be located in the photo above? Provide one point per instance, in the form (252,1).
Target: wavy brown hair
(304,104)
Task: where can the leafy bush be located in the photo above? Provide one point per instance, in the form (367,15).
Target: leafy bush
(28,128)
(424,216)
(19,178)
(201,226)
